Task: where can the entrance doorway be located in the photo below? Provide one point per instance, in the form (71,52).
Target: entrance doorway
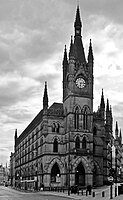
(55,173)
(80,175)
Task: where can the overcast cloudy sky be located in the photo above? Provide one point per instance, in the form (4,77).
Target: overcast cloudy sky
(32,38)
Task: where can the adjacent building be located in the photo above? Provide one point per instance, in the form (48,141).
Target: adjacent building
(68,143)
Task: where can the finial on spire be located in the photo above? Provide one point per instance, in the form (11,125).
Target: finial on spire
(90,53)
(16,134)
(107,107)
(71,52)
(120,133)
(102,103)
(116,129)
(77,2)
(77,23)
(45,97)
(65,61)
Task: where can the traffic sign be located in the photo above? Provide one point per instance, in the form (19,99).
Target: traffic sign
(110,179)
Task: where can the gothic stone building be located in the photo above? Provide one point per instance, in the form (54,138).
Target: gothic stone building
(67,143)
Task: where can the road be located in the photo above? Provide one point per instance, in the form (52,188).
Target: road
(7,193)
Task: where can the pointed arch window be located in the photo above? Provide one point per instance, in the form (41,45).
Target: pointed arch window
(94,130)
(77,143)
(57,128)
(53,127)
(84,143)
(76,125)
(85,120)
(55,146)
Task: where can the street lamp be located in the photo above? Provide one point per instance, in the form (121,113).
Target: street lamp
(69,164)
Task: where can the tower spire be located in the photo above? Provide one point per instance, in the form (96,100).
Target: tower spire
(45,97)
(102,103)
(65,60)
(90,53)
(77,23)
(78,45)
(16,134)
(71,52)
(107,107)
(116,130)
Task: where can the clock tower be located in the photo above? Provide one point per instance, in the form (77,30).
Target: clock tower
(78,74)
(78,99)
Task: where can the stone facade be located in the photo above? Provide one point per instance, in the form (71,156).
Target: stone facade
(67,143)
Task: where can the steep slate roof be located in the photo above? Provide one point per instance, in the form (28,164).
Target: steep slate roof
(32,125)
(56,109)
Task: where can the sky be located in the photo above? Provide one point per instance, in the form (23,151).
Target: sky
(33,34)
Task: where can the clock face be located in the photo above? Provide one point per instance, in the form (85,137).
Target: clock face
(80,82)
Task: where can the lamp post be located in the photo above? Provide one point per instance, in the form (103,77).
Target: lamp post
(69,164)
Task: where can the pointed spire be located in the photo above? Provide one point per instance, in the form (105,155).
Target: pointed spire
(120,134)
(107,107)
(116,126)
(16,134)
(90,53)
(77,23)
(65,60)
(71,52)
(116,130)
(45,97)
(102,103)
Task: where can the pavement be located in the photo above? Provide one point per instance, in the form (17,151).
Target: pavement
(101,193)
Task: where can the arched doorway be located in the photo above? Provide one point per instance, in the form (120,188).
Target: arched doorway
(55,173)
(80,175)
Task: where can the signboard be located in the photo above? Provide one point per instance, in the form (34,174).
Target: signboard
(110,179)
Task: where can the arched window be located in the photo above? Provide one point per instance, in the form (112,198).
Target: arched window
(85,120)
(94,130)
(55,173)
(53,127)
(57,128)
(55,146)
(76,125)
(77,143)
(84,143)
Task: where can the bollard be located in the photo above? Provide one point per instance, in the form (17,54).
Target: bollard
(82,192)
(86,193)
(103,194)
(93,194)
